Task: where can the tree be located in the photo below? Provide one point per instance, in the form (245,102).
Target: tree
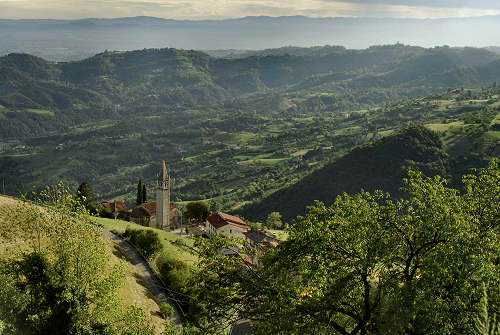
(63,270)
(273,220)
(85,196)
(140,195)
(144,194)
(367,264)
(197,211)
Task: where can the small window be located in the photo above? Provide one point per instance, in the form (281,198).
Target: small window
(230,231)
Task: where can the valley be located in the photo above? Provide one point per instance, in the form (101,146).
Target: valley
(255,135)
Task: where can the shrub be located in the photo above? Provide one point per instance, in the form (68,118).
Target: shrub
(166,310)
(174,273)
(147,241)
(105,212)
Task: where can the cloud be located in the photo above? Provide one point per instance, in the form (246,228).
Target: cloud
(469,4)
(217,9)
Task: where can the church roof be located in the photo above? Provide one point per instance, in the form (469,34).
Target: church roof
(149,208)
(140,212)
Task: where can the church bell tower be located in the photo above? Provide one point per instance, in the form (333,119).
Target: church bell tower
(163,199)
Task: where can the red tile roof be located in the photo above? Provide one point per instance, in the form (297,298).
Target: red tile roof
(216,221)
(117,206)
(150,206)
(232,219)
(220,219)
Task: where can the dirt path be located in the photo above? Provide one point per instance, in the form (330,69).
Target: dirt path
(154,283)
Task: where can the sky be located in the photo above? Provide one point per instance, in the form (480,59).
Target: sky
(222,9)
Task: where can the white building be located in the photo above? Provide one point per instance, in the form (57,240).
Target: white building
(225,224)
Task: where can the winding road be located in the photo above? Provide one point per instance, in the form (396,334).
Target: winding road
(155,284)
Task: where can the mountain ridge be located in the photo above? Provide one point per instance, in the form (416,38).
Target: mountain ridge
(64,40)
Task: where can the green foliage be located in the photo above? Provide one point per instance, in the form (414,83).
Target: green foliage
(380,164)
(150,101)
(197,211)
(166,310)
(144,194)
(484,324)
(140,194)
(62,282)
(104,212)
(85,196)
(366,265)
(175,273)
(273,221)
(145,240)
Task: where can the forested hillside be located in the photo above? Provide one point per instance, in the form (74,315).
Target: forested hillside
(37,96)
(379,165)
(231,130)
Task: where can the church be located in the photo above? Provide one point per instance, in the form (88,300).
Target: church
(161,213)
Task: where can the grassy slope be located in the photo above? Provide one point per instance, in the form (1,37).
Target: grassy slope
(133,290)
(168,239)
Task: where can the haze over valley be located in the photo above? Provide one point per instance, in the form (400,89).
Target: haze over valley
(63,40)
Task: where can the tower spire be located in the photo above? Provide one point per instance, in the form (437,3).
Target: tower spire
(164,171)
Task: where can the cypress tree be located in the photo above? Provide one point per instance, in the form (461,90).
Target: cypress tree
(144,194)
(139,193)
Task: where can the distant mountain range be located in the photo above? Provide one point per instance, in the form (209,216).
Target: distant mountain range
(63,40)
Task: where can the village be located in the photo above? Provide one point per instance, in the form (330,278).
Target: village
(165,215)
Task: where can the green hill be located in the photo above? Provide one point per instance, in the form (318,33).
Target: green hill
(244,127)
(377,165)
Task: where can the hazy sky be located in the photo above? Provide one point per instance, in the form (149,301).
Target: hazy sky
(217,9)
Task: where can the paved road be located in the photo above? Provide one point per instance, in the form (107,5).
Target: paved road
(154,283)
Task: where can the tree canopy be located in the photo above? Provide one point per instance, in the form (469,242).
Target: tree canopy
(367,265)
(197,210)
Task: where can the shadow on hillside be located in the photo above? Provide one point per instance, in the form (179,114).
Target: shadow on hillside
(140,280)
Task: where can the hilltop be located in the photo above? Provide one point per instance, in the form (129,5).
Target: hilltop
(465,138)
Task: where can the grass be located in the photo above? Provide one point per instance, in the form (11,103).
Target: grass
(265,161)
(441,127)
(134,291)
(492,135)
(300,152)
(386,132)
(40,111)
(172,243)
(281,234)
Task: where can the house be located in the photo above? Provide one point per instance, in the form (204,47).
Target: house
(260,241)
(261,238)
(119,209)
(225,224)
